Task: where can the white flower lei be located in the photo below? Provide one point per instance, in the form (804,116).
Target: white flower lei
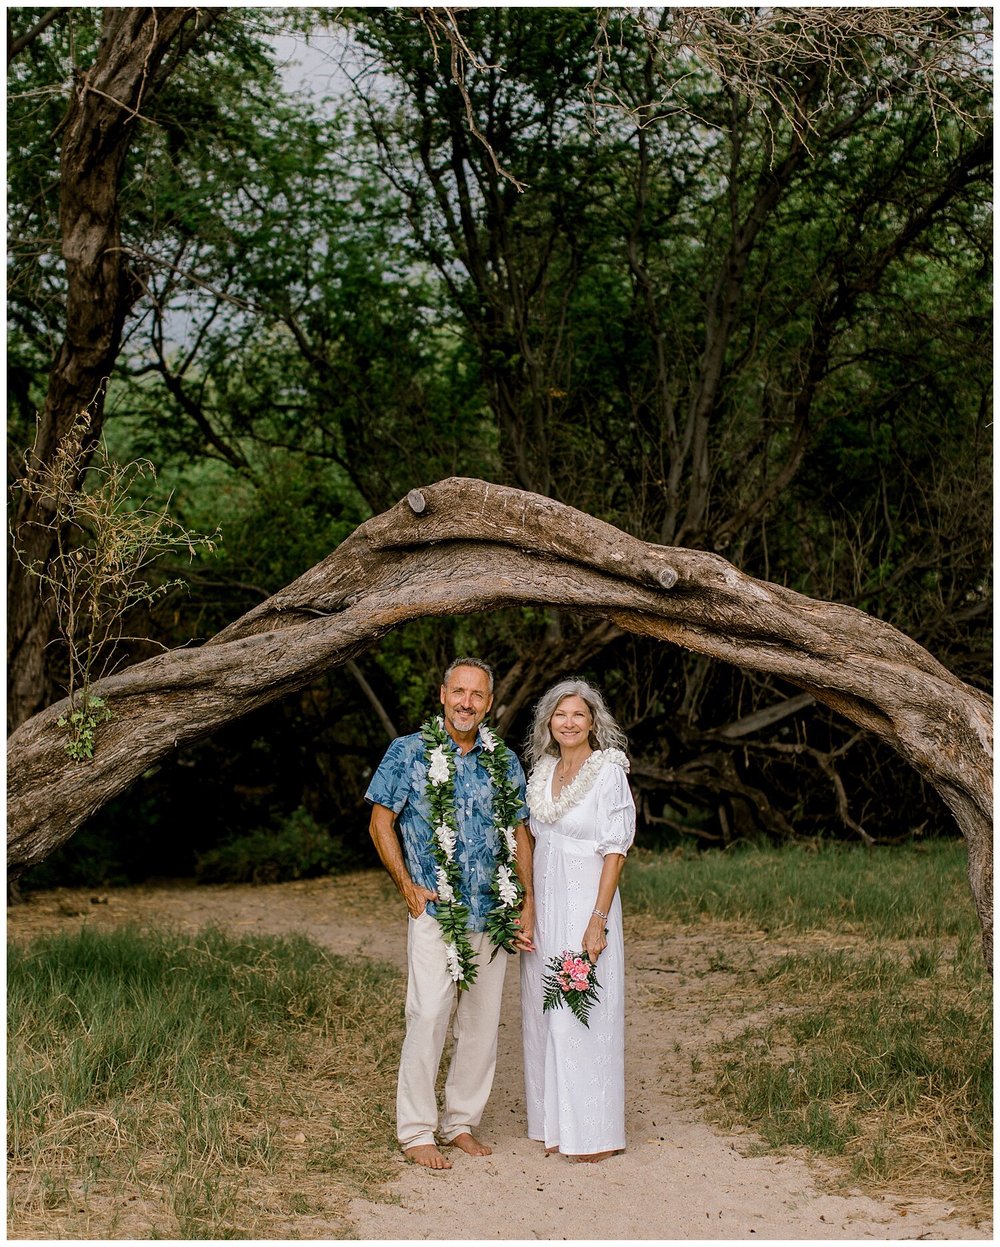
(549,810)
(506,890)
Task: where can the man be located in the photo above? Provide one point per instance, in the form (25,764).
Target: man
(401,794)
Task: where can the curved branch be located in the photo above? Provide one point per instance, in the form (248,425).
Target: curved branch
(465,546)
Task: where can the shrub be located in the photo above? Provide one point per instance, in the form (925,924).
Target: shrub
(296,848)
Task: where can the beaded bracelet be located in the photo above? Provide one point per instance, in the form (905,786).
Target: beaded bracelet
(598,914)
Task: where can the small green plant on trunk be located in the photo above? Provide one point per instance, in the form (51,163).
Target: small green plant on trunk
(82,723)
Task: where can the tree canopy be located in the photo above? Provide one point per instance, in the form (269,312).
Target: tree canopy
(719,277)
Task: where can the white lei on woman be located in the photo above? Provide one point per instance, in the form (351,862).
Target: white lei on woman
(549,809)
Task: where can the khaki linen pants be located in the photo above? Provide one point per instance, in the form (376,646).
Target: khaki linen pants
(430,995)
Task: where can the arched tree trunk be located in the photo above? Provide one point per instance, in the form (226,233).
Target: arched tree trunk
(462,546)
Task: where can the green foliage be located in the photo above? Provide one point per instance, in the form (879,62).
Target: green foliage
(105,539)
(744,313)
(97,856)
(152,1061)
(82,723)
(296,847)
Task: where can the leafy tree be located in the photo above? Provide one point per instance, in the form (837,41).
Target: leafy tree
(116,77)
(716,276)
(675,318)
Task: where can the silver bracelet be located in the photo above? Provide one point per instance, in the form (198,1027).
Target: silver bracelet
(598,914)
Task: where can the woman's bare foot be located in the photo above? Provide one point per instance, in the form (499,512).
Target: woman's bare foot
(426,1154)
(472,1147)
(593,1158)
(551,1151)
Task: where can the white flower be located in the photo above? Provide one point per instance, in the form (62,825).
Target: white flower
(508,835)
(444,889)
(506,887)
(454,965)
(438,772)
(487,737)
(446,839)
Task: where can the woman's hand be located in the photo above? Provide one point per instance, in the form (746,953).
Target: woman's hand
(525,923)
(594,940)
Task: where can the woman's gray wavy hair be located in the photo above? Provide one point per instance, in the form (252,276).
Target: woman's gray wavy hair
(604,734)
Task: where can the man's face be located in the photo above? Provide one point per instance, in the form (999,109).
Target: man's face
(466,699)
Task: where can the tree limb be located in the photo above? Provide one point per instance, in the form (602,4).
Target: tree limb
(16,46)
(473,546)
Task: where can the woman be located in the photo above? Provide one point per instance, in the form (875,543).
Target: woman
(583,820)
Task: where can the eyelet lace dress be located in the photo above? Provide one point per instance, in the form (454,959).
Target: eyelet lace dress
(574,1075)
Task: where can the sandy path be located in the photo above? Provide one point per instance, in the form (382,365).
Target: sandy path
(680,1177)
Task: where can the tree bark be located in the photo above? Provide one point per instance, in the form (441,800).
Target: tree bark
(106,102)
(473,547)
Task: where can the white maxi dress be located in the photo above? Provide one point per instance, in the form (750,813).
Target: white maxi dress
(574,1075)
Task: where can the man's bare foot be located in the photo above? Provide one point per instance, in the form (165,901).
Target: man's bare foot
(426,1154)
(593,1158)
(472,1147)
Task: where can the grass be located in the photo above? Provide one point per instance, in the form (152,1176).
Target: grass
(173,1086)
(876,1052)
(913,892)
(164,1085)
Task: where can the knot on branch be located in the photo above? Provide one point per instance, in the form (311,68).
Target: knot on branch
(667,576)
(417,502)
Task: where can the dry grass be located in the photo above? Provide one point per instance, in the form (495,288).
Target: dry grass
(878,1057)
(314,1128)
(868,1042)
(257,1131)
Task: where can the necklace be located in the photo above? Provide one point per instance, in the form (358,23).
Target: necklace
(566,774)
(505,890)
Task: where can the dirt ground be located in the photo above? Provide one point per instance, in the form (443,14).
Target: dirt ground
(680,1178)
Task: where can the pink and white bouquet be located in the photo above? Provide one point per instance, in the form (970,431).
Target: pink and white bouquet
(571,981)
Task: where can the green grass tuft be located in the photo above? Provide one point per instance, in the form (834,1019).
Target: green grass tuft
(887,1060)
(872,1041)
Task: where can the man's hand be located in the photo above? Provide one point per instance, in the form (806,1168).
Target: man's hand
(417,899)
(383,833)
(526,927)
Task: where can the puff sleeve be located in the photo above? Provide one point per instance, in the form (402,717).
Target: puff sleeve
(615,811)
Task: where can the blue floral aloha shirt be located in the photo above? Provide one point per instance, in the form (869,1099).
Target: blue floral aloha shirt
(399,784)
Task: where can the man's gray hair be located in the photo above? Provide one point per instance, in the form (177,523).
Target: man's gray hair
(470,662)
(604,733)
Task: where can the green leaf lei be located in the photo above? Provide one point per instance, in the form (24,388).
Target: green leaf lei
(505,889)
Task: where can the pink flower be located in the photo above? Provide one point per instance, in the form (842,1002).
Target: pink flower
(571,981)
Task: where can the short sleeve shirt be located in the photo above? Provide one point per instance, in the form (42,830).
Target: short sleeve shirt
(400,785)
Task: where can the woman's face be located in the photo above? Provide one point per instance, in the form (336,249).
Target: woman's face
(571,722)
